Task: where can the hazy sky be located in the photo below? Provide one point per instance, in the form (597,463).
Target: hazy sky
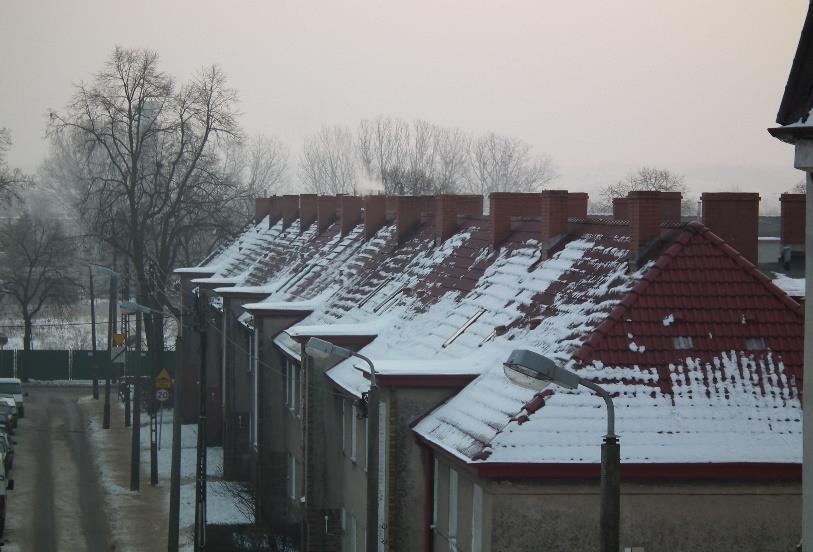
(603,86)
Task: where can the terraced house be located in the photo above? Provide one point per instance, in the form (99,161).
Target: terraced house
(701,352)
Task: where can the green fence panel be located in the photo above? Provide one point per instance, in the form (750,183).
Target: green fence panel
(7,364)
(82,364)
(44,365)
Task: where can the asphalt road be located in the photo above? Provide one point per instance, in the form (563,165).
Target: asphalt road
(57,503)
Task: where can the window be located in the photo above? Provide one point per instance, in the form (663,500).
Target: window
(344,426)
(755,344)
(252,366)
(289,376)
(293,387)
(292,477)
(340,418)
(452,510)
(477,519)
(353,435)
(682,343)
(435,489)
(366,442)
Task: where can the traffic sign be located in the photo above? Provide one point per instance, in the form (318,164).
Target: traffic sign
(118,339)
(162,395)
(162,380)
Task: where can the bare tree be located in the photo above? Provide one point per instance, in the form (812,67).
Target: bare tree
(36,269)
(383,149)
(505,164)
(799,188)
(451,159)
(645,179)
(328,164)
(11,179)
(151,179)
(259,165)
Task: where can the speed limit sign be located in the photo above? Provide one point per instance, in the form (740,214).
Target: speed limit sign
(162,395)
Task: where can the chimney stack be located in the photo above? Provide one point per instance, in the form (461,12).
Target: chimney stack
(326,207)
(645,211)
(307,210)
(448,206)
(735,218)
(375,214)
(621,208)
(408,212)
(792,223)
(290,209)
(577,204)
(505,205)
(555,208)
(671,203)
(350,213)
(275,213)
(262,206)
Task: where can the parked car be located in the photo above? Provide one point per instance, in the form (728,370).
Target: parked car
(6,454)
(14,387)
(5,484)
(7,417)
(9,400)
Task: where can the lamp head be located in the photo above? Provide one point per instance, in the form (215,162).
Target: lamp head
(319,348)
(534,371)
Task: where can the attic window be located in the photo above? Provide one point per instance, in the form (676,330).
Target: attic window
(683,343)
(755,344)
(463,328)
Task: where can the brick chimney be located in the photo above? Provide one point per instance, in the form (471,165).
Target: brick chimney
(262,206)
(645,210)
(276,210)
(620,208)
(326,207)
(505,205)
(554,209)
(408,212)
(448,207)
(350,216)
(792,224)
(735,218)
(290,209)
(307,210)
(577,204)
(392,207)
(375,214)
(671,203)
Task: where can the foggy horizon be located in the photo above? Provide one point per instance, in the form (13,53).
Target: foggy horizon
(602,89)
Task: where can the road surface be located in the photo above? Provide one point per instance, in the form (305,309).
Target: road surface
(58,502)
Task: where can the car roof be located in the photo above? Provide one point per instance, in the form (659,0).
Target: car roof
(10,380)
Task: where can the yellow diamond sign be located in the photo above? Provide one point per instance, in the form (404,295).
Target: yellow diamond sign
(163,381)
(118,339)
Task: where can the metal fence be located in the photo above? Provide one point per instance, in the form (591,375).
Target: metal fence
(77,364)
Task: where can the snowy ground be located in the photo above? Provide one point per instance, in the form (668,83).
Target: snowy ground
(225,500)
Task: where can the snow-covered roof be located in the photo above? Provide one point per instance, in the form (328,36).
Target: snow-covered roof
(795,287)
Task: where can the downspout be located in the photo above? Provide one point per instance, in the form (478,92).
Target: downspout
(429,498)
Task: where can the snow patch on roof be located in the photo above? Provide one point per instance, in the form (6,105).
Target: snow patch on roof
(795,287)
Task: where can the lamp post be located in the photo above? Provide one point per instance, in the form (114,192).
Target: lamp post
(111,329)
(319,348)
(534,371)
(128,307)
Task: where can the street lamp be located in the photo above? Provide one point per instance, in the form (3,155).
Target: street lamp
(321,349)
(534,371)
(111,329)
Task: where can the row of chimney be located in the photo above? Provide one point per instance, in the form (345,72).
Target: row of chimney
(732,216)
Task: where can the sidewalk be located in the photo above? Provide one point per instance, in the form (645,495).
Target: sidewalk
(140,519)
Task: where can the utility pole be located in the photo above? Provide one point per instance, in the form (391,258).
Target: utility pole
(155,353)
(200,479)
(95,365)
(175,470)
(111,329)
(135,453)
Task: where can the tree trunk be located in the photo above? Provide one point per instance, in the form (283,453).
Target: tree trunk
(26,363)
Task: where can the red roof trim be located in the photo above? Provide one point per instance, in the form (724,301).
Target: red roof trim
(458,381)
(237,294)
(722,471)
(360,340)
(269,313)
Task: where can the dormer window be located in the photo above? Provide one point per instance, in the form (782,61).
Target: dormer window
(755,344)
(683,343)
